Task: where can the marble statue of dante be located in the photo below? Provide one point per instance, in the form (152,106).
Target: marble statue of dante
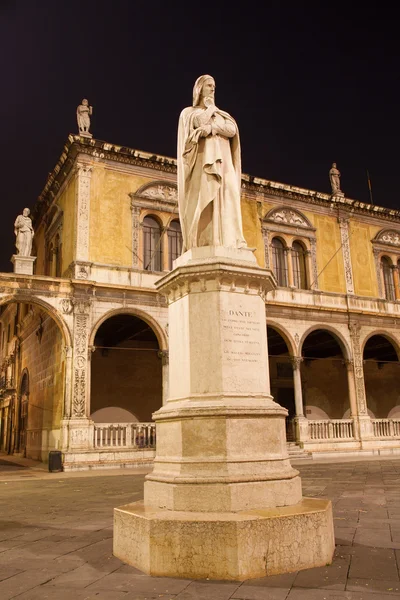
(209,173)
(83,113)
(24,231)
(334,176)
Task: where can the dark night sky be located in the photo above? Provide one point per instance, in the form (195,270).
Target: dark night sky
(308,83)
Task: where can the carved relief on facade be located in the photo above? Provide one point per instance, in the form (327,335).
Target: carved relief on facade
(80,362)
(358,368)
(83,175)
(388,236)
(161,192)
(314,282)
(288,216)
(136,210)
(348,271)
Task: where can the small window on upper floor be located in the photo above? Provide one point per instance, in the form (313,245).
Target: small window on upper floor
(174,242)
(152,247)
(388,279)
(299,266)
(279,261)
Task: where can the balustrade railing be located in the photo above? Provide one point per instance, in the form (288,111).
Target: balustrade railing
(332,429)
(125,435)
(385,428)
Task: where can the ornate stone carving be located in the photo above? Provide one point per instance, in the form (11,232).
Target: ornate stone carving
(377,254)
(83,114)
(296,339)
(135,234)
(288,216)
(164,355)
(161,192)
(24,233)
(265,233)
(348,271)
(389,237)
(66,306)
(314,268)
(209,169)
(334,176)
(296,362)
(82,272)
(358,368)
(84,174)
(81,326)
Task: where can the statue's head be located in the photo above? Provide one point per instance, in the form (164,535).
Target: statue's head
(203,88)
(85,102)
(26,212)
(333,165)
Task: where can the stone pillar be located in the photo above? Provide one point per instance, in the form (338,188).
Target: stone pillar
(265,234)
(301,423)
(314,272)
(165,250)
(351,385)
(222,475)
(377,258)
(289,263)
(81,266)
(396,282)
(164,356)
(78,428)
(348,271)
(362,419)
(136,258)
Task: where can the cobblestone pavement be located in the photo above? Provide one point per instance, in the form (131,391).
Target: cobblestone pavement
(56,538)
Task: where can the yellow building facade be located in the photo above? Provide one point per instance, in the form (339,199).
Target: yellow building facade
(84,341)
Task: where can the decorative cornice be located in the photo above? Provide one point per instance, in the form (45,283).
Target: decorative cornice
(97,149)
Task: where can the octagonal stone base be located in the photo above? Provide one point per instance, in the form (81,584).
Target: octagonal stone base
(225,546)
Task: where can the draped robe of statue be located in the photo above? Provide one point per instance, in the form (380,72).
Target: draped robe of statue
(24,235)
(209,181)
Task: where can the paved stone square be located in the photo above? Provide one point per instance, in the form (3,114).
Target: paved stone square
(56,538)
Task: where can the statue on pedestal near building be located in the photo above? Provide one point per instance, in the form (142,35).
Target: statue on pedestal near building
(83,114)
(334,176)
(24,233)
(209,172)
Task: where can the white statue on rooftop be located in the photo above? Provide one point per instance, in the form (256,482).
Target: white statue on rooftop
(209,172)
(334,176)
(83,114)
(24,233)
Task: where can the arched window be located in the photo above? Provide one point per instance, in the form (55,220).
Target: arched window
(388,281)
(152,248)
(279,261)
(299,266)
(174,242)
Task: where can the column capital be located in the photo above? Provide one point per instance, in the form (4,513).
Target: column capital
(296,361)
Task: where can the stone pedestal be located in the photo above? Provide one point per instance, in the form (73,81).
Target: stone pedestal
(223,500)
(23,265)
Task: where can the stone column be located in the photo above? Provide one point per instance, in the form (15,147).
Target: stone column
(362,419)
(222,475)
(351,385)
(289,263)
(348,271)
(396,282)
(301,423)
(164,356)
(136,258)
(377,258)
(82,219)
(80,428)
(165,250)
(265,234)
(314,272)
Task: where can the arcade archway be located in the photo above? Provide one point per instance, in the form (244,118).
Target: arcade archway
(324,376)
(126,371)
(382,377)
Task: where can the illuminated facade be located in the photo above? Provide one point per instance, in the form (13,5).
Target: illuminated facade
(84,342)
